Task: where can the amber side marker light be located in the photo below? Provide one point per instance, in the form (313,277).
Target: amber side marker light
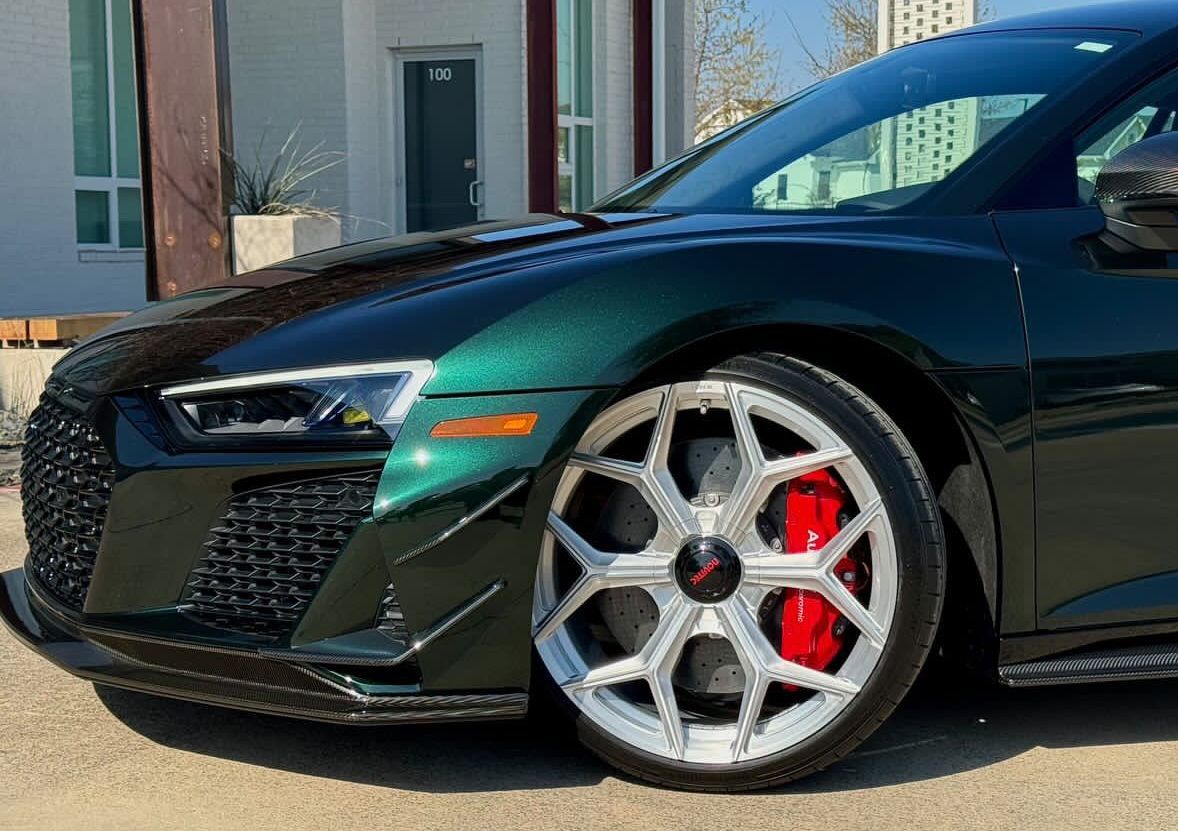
(515,424)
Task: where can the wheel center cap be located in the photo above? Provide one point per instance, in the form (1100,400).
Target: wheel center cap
(708,570)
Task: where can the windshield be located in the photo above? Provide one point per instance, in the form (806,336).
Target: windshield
(878,136)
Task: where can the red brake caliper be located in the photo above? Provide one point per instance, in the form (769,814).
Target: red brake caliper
(812,630)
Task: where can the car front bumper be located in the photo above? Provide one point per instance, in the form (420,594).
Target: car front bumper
(455,526)
(238,678)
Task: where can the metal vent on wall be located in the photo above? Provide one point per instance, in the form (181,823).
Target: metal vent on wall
(266,557)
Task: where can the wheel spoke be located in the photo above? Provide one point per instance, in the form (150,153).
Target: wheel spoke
(854,611)
(622,471)
(664,425)
(655,664)
(663,649)
(663,692)
(755,687)
(588,557)
(780,471)
(799,571)
(576,597)
(652,479)
(754,649)
(842,542)
(600,571)
(759,477)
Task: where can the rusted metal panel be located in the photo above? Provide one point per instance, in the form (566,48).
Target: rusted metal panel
(186,227)
(643,83)
(541,44)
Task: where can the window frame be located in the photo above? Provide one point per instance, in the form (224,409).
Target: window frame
(113,183)
(1011,197)
(571,165)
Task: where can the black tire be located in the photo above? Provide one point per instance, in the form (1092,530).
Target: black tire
(909,500)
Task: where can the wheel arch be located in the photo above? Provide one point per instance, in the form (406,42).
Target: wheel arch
(928,417)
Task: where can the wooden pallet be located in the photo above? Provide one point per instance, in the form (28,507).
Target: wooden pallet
(65,330)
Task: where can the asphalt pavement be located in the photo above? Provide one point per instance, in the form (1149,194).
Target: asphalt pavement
(73,756)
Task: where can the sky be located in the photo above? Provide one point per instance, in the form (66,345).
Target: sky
(807,15)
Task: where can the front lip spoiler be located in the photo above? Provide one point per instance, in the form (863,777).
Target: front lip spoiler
(223,677)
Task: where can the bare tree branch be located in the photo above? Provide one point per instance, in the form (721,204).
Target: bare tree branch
(853,27)
(735,67)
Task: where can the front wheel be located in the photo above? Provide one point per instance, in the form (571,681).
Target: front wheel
(741,576)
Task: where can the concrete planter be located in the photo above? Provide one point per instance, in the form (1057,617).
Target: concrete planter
(22,377)
(259,241)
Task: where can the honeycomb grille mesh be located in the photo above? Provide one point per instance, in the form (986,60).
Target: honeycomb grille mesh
(265,560)
(66,482)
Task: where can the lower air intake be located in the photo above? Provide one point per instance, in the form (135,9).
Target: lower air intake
(267,556)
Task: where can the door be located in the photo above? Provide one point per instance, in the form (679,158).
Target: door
(438,138)
(1103,348)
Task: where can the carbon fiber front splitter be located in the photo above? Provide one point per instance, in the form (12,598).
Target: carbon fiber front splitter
(235,678)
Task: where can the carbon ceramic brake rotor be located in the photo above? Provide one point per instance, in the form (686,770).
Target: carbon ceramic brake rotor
(704,467)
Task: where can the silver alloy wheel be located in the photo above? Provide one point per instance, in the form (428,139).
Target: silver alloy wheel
(597,689)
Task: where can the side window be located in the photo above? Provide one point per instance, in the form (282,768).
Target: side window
(1148,113)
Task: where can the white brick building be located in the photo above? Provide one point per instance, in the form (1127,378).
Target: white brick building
(923,145)
(907,21)
(43,267)
(402,87)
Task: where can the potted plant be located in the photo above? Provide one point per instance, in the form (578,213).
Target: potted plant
(273,215)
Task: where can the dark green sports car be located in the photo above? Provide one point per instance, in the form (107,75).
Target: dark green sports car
(890,368)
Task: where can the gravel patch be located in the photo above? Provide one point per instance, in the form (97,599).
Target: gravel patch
(12,431)
(12,428)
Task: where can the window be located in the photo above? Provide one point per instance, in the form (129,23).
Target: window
(839,142)
(108,201)
(822,190)
(1151,112)
(574,60)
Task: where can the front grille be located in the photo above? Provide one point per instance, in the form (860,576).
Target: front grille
(266,557)
(66,481)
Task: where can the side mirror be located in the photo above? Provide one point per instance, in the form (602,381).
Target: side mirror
(1138,192)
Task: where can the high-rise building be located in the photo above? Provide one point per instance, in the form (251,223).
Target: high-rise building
(922,145)
(907,21)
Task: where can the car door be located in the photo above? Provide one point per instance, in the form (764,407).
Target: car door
(1103,351)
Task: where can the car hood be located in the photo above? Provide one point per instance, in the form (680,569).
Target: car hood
(414,296)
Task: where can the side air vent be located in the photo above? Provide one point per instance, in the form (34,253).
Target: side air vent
(267,556)
(390,619)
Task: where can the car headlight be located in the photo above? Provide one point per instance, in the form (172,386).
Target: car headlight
(362,403)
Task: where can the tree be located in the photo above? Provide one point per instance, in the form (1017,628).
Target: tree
(854,38)
(735,67)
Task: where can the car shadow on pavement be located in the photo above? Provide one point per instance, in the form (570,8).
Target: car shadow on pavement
(943,728)
(436,758)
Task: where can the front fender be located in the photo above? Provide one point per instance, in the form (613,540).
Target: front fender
(938,291)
